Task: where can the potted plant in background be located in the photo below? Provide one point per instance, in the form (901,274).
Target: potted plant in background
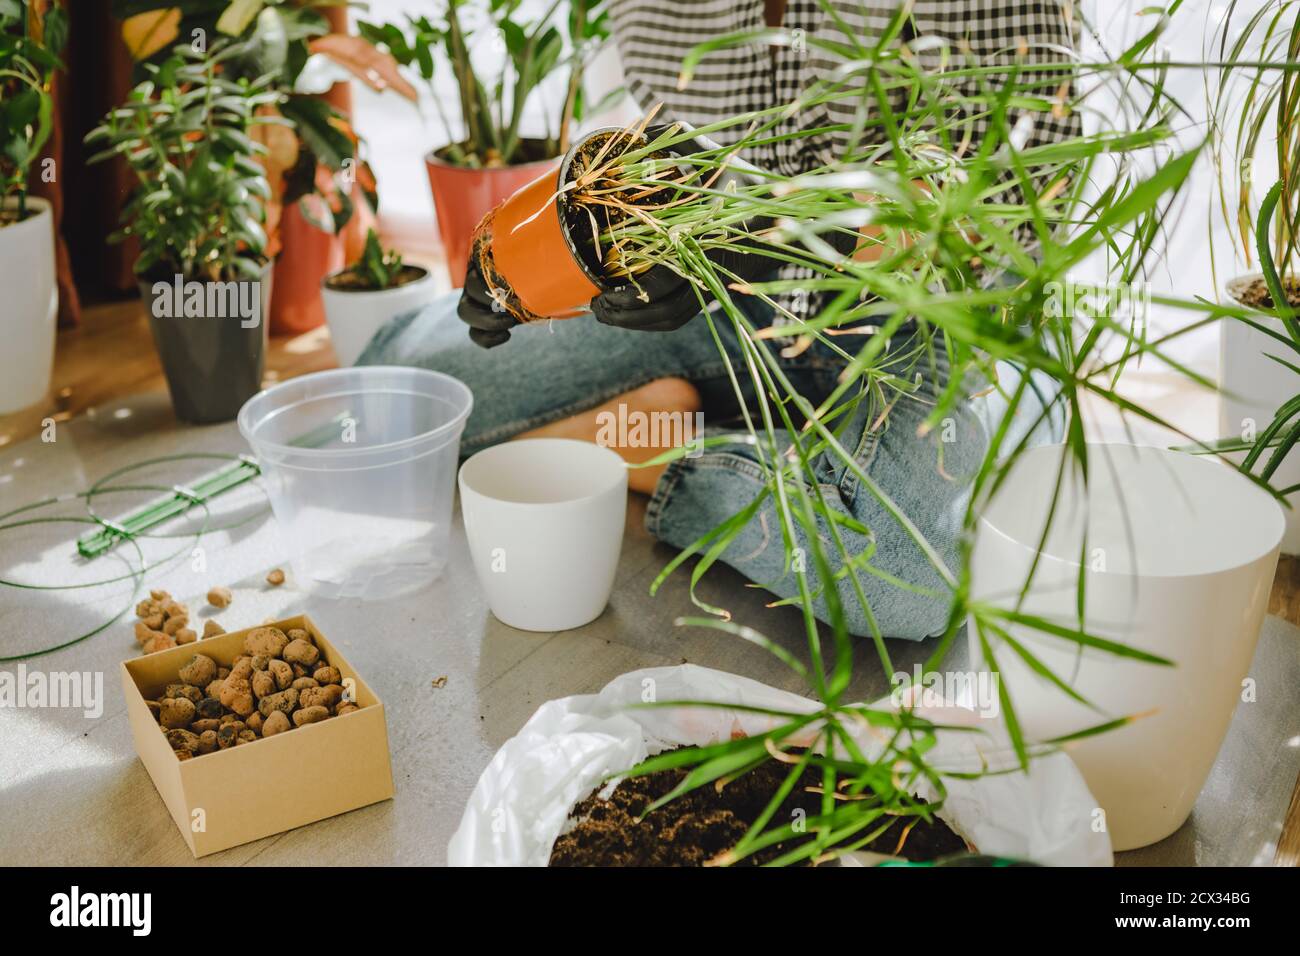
(365,295)
(1256,112)
(487,157)
(30,44)
(323,192)
(197,215)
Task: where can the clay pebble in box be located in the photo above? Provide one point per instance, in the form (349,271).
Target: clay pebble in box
(260,785)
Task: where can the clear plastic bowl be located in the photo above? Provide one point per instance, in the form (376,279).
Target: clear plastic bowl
(360,466)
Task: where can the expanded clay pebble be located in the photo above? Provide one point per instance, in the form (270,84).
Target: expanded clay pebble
(275,724)
(302,652)
(163,623)
(282,673)
(176,712)
(310,715)
(159,642)
(264,684)
(267,690)
(220,597)
(200,671)
(212,629)
(275,577)
(265,641)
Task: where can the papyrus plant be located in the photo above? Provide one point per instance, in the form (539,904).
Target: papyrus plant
(971,238)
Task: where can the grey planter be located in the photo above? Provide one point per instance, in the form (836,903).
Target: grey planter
(212,346)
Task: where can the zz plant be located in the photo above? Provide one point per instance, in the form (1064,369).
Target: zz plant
(491,110)
(184,131)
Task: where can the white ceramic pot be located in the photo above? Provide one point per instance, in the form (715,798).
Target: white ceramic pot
(354,317)
(1180,556)
(29,307)
(544,518)
(1251,388)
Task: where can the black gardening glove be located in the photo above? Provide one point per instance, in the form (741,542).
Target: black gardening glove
(489,322)
(662,301)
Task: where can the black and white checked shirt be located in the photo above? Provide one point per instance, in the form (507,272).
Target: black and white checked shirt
(653,37)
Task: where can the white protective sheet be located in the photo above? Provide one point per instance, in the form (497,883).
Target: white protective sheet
(523,798)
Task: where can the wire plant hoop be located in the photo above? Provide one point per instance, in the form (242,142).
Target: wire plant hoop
(107,534)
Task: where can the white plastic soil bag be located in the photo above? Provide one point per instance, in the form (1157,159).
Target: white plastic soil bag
(523,799)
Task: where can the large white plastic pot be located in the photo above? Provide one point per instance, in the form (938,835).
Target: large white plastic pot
(29,306)
(1252,387)
(355,316)
(1179,561)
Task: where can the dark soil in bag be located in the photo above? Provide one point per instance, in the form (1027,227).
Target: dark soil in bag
(695,828)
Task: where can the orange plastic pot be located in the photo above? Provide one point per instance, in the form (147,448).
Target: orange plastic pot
(462,197)
(532,253)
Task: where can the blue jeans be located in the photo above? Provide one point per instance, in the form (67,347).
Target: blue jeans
(550,371)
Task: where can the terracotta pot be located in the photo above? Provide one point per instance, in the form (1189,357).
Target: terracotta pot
(308,256)
(462,197)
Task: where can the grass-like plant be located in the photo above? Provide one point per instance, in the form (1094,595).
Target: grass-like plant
(491,109)
(31,40)
(1255,108)
(954,218)
(184,131)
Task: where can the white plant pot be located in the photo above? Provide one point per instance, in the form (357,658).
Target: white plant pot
(354,317)
(29,307)
(1180,555)
(1251,388)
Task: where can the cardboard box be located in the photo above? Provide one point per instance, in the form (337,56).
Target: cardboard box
(233,796)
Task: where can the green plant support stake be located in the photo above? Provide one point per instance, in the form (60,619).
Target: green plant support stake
(200,492)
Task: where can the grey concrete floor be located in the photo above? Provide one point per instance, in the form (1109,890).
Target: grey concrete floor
(72,791)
